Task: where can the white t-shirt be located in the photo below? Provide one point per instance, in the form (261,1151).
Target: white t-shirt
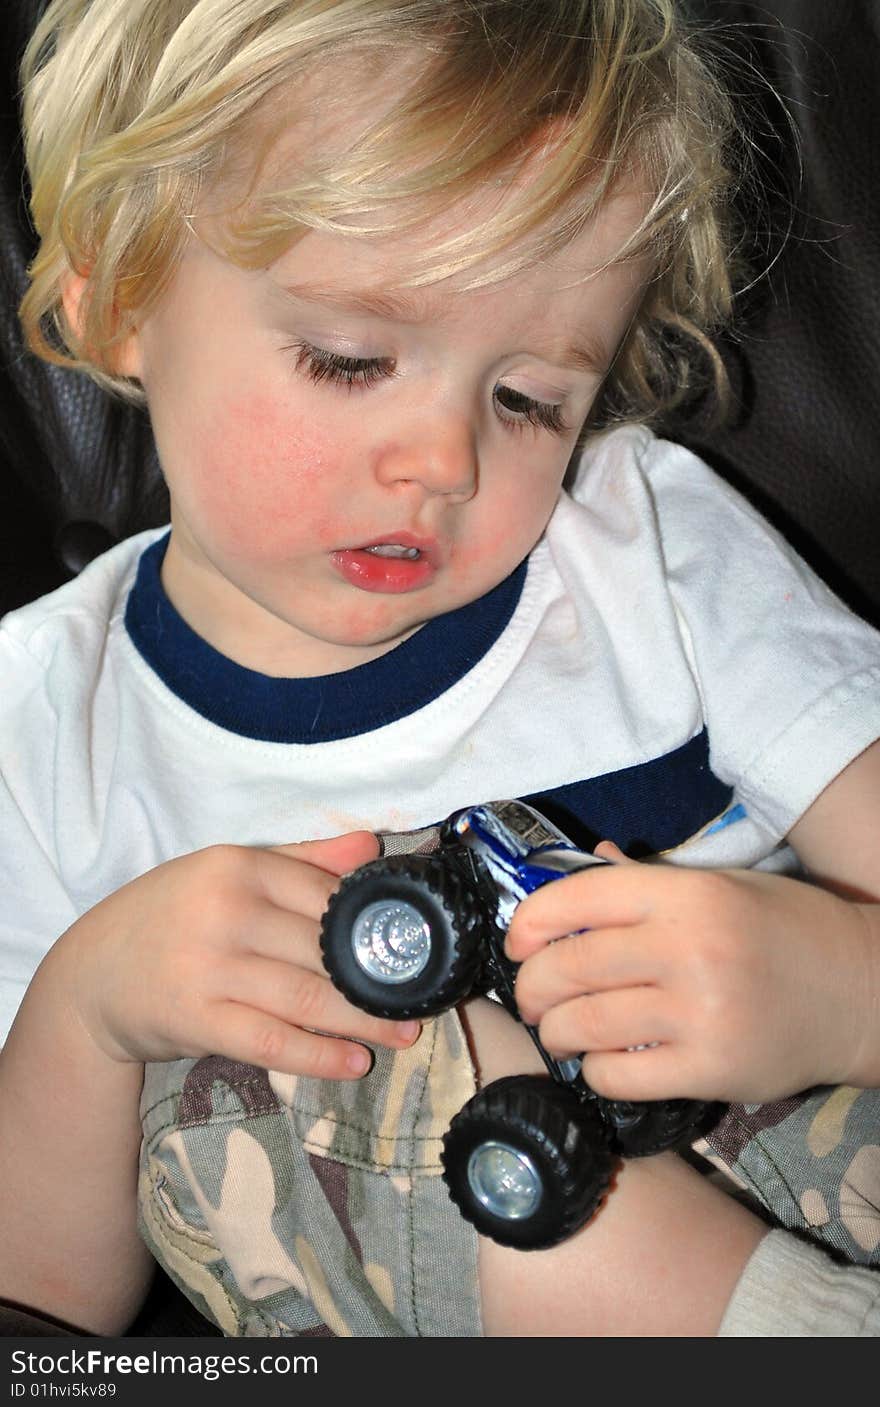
(663,671)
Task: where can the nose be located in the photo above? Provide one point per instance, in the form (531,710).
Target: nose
(436,452)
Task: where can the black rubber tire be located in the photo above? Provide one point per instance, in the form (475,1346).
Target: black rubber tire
(450,906)
(565,1140)
(641,1128)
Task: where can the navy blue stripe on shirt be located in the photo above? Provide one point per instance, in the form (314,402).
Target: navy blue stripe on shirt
(644,809)
(325,708)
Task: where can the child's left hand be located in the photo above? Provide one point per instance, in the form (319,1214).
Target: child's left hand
(705,984)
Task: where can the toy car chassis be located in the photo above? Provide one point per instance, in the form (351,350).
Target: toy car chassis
(528,1159)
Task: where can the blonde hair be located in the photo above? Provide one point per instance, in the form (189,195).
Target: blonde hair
(133,109)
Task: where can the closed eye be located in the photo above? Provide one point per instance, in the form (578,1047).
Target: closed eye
(517,409)
(524,410)
(321,365)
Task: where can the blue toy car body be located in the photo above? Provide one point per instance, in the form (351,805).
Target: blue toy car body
(521,851)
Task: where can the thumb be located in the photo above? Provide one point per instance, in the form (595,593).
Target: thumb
(337,855)
(607,850)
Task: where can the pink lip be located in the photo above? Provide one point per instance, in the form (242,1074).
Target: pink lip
(392,575)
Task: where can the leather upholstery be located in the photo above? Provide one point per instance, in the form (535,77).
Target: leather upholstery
(804,444)
(69,454)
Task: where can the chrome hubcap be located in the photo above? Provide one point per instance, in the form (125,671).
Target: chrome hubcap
(504,1180)
(392,941)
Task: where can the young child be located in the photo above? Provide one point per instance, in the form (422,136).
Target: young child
(373,265)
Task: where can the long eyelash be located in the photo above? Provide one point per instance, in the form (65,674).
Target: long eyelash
(530,412)
(320,365)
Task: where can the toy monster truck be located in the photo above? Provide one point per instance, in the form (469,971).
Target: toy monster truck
(528,1159)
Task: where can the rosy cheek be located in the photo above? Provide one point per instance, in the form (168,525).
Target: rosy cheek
(496,549)
(264,478)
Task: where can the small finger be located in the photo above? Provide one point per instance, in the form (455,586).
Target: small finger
(309,1000)
(660,1072)
(607,850)
(284,936)
(338,855)
(255,1038)
(608,1021)
(584,962)
(603,896)
(294,884)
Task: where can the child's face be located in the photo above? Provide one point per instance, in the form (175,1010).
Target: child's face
(347,461)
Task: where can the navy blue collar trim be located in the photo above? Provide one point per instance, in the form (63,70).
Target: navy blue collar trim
(322,709)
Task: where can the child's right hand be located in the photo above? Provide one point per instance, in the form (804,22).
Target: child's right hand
(217,953)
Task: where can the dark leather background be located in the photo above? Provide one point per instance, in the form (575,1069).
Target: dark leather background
(804,444)
(69,454)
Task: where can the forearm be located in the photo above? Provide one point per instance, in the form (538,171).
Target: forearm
(838,842)
(865,1072)
(69,1139)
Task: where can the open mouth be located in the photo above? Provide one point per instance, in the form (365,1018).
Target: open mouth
(396,565)
(394,549)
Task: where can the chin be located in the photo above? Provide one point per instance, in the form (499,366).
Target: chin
(378,640)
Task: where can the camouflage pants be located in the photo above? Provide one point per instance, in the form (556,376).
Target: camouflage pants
(812,1163)
(288,1206)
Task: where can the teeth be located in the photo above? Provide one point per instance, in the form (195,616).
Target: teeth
(394,549)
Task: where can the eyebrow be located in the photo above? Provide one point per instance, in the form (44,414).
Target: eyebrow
(399,306)
(586,354)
